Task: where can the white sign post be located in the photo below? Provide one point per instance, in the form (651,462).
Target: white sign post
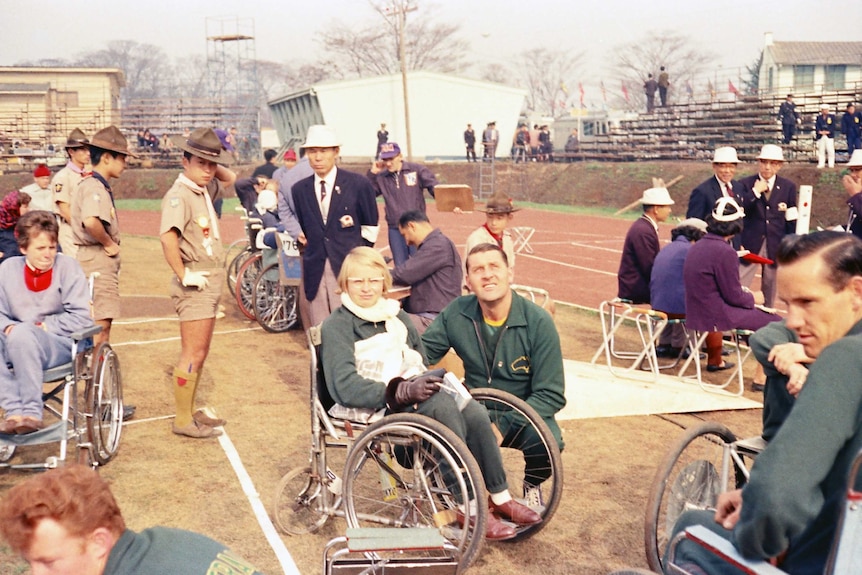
(803,221)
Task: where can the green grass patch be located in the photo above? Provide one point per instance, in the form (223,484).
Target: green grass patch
(156,205)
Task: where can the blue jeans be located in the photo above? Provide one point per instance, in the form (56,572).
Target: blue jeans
(399,248)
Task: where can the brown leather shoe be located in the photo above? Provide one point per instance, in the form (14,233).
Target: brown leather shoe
(207,416)
(517,513)
(29,425)
(196,430)
(495,530)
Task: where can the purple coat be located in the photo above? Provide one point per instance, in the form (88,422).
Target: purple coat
(639,252)
(714,299)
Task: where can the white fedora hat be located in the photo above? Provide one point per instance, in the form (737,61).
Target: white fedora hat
(771,152)
(320,136)
(656,197)
(855,159)
(725,155)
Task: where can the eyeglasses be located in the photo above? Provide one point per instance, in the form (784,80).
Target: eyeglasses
(363,282)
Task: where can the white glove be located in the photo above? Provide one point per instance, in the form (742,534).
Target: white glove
(195,279)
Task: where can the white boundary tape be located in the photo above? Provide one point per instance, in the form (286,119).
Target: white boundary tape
(177,338)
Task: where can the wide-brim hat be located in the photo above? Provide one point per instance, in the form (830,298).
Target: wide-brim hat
(855,159)
(321,136)
(725,155)
(657,197)
(771,152)
(499,205)
(111,139)
(77,139)
(205,144)
(727,210)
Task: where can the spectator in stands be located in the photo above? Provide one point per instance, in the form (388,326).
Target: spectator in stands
(267,169)
(490,139)
(534,142)
(546,146)
(667,290)
(824,133)
(715,301)
(703,197)
(650,87)
(642,246)
(573,145)
(433,273)
(663,85)
(66,520)
(789,117)
(14,205)
(499,212)
(64,183)
(788,511)
(470,142)
(521,143)
(402,185)
(769,202)
(41,196)
(382,138)
(852,183)
(852,129)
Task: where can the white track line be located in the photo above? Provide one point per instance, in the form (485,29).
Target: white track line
(564,264)
(177,338)
(287,564)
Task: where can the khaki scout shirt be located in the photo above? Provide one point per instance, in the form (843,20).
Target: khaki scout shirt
(92,199)
(185,210)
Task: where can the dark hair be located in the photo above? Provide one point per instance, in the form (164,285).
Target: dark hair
(412,216)
(481,248)
(718,228)
(34,223)
(690,232)
(187,155)
(851,105)
(840,251)
(269,154)
(96,154)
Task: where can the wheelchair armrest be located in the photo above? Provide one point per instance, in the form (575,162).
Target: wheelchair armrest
(724,549)
(83,334)
(261,237)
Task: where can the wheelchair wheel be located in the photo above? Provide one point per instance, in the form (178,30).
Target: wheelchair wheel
(274,304)
(298,507)
(689,477)
(245,279)
(104,401)
(408,470)
(527,432)
(234,263)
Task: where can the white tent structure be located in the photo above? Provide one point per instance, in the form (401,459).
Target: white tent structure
(440,105)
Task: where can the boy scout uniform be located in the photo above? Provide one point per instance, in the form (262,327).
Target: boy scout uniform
(64,183)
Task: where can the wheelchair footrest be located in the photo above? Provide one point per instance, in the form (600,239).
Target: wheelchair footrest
(51,434)
(387,539)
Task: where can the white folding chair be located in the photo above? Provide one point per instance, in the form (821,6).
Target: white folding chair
(521,236)
(648,324)
(743,351)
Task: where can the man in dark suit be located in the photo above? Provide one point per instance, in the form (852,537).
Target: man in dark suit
(703,197)
(337,212)
(789,117)
(770,213)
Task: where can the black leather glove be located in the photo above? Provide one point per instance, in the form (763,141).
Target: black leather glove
(404,392)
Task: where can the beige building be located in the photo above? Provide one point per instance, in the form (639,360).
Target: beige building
(810,67)
(40,106)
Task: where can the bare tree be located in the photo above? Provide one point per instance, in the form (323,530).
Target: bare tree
(546,74)
(373,49)
(144,66)
(632,63)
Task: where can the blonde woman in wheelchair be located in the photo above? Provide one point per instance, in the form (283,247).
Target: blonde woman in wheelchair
(43,299)
(373,360)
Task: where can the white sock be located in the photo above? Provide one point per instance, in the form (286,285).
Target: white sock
(501,498)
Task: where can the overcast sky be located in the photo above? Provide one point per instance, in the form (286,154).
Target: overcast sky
(497,29)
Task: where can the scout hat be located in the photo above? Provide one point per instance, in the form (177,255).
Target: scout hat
(725,155)
(77,139)
(727,210)
(320,136)
(203,143)
(771,152)
(499,205)
(389,151)
(656,197)
(111,139)
(855,159)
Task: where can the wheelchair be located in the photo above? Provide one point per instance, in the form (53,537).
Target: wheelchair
(83,408)
(705,461)
(238,251)
(276,290)
(844,558)
(404,470)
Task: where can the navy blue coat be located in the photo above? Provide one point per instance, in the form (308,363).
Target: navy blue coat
(703,197)
(352,205)
(765,220)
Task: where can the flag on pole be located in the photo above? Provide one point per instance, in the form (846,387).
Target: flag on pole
(711,89)
(581,90)
(732,89)
(625,92)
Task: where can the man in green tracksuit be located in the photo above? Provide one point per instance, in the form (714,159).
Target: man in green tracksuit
(508,343)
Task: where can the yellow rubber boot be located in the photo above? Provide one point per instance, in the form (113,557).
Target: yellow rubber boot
(185,384)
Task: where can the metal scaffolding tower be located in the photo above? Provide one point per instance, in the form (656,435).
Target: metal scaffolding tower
(232,77)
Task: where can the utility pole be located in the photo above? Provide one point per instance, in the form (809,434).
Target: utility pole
(400,8)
